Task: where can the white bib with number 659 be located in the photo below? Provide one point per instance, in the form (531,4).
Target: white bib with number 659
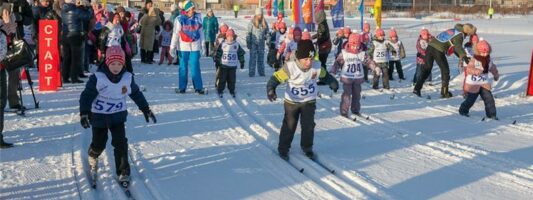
(229,54)
(353,65)
(302,85)
(381,54)
(111,96)
(482,79)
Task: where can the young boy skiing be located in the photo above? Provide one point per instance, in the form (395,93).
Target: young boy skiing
(164,38)
(226,58)
(300,97)
(478,82)
(103,105)
(396,59)
(379,52)
(350,64)
(421,45)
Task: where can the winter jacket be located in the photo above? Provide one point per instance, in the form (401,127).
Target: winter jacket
(456,41)
(257,34)
(382,58)
(3,44)
(398,48)
(43,13)
(24,15)
(322,36)
(421,46)
(474,72)
(112,35)
(148,24)
(90,94)
(73,18)
(221,53)
(187,34)
(340,61)
(210,28)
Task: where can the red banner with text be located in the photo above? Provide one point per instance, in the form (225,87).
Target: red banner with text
(49,74)
(530,83)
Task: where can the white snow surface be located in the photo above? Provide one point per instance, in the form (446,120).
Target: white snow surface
(206,147)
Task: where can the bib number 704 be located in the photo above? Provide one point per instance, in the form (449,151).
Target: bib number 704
(303,91)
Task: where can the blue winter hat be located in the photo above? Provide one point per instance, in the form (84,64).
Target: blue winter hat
(188,5)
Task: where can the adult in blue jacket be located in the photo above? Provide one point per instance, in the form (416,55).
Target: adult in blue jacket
(73,31)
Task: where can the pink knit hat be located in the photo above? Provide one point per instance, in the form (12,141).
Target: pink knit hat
(483,46)
(392,33)
(113,54)
(380,32)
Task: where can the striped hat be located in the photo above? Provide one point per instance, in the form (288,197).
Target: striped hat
(187,5)
(114,53)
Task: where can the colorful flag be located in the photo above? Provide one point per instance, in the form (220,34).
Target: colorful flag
(337,14)
(296,12)
(281,7)
(377,11)
(275,8)
(268,8)
(362,11)
(307,11)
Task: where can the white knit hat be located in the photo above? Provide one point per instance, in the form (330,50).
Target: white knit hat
(258,11)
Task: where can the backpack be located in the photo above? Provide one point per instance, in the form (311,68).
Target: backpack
(446,36)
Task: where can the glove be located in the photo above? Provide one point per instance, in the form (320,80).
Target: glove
(148,114)
(272,95)
(84,120)
(172,52)
(466,60)
(393,53)
(419,55)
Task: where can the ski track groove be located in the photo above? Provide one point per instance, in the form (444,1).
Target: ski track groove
(319,175)
(483,160)
(221,107)
(73,168)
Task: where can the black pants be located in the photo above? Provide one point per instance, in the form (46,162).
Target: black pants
(3,99)
(226,75)
(398,65)
(119,142)
(488,99)
(432,55)
(236,12)
(323,57)
(365,72)
(209,46)
(293,111)
(71,57)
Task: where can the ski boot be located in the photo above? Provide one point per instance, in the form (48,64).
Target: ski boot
(124,180)
(93,165)
(310,155)
(284,156)
(4,144)
(444,93)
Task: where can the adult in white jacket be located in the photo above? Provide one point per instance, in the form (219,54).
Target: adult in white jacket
(187,38)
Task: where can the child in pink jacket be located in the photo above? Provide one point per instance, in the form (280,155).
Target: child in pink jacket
(350,63)
(478,82)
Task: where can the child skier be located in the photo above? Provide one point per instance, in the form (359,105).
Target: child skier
(469,49)
(271,55)
(281,35)
(379,52)
(164,38)
(300,97)
(421,46)
(290,45)
(396,59)
(478,82)
(103,105)
(226,59)
(350,64)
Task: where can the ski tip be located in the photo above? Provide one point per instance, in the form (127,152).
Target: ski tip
(301,170)
(514,122)
(368,117)
(483,119)
(332,171)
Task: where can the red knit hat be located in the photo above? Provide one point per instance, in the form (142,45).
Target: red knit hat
(306,35)
(230,32)
(483,46)
(354,39)
(113,54)
(424,32)
(347,30)
(392,33)
(223,28)
(380,32)
(366,27)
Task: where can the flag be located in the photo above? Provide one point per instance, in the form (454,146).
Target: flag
(268,8)
(377,11)
(337,14)
(362,11)
(320,6)
(296,12)
(281,7)
(275,8)
(307,11)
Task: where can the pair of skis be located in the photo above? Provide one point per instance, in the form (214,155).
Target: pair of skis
(315,160)
(93,177)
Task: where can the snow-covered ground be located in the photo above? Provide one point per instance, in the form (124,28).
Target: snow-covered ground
(204,147)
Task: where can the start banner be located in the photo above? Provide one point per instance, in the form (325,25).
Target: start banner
(49,74)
